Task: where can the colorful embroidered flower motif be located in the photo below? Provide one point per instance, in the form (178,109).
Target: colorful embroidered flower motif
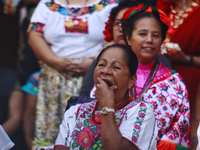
(80,125)
(137,127)
(134,139)
(173,81)
(162,122)
(141,115)
(85,138)
(56,7)
(74,133)
(97,118)
(36,26)
(82,115)
(161,98)
(64,11)
(173,103)
(154,104)
(179,90)
(98,130)
(138,123)
(164,86)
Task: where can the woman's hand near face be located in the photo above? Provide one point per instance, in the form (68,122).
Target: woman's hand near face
(105,94)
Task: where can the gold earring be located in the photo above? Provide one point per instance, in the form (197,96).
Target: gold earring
(129,93)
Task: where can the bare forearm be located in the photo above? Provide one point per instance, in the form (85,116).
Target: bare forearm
(196,61)
(111,137)
(41,49)
(187,60)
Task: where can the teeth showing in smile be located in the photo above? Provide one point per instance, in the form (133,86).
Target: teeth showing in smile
(148,48)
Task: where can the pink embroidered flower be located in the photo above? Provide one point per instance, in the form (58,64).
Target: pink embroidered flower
(82,115)
(97,118)
(173,103)
(89,109)
(165,108)
(85,138)
(141,115)
(142,105)
(154,104)
(162,122)
(80,125)
(98,130)
(137,127)
(134,139)
(91,106)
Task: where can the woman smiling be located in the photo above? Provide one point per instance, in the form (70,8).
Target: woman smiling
(145,29)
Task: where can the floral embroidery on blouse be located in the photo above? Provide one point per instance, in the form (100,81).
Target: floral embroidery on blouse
(150,143)
(86,133)
(86,10)
(138,123)
(76,25)
(36,26)
(168,97)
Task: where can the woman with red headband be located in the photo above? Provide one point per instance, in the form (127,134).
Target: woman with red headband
(145,29)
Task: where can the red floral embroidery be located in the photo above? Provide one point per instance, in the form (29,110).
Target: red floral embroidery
(85,137)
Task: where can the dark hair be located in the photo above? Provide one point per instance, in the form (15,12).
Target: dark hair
(108,31)
(122,5)
(128,25)
(131,58)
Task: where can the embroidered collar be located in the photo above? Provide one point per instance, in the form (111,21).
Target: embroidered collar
(86,10)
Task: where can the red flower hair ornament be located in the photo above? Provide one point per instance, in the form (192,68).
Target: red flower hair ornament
(134,10)
(108,30)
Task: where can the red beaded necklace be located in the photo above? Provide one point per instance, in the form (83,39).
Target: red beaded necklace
(99,122)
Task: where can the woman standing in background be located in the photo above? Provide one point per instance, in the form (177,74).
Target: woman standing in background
(65,35)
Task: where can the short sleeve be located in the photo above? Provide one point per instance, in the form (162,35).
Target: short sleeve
(66,126)
(139,126)
(39,18)
(5,142)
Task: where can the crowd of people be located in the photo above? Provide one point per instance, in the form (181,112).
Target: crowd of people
(99,74)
